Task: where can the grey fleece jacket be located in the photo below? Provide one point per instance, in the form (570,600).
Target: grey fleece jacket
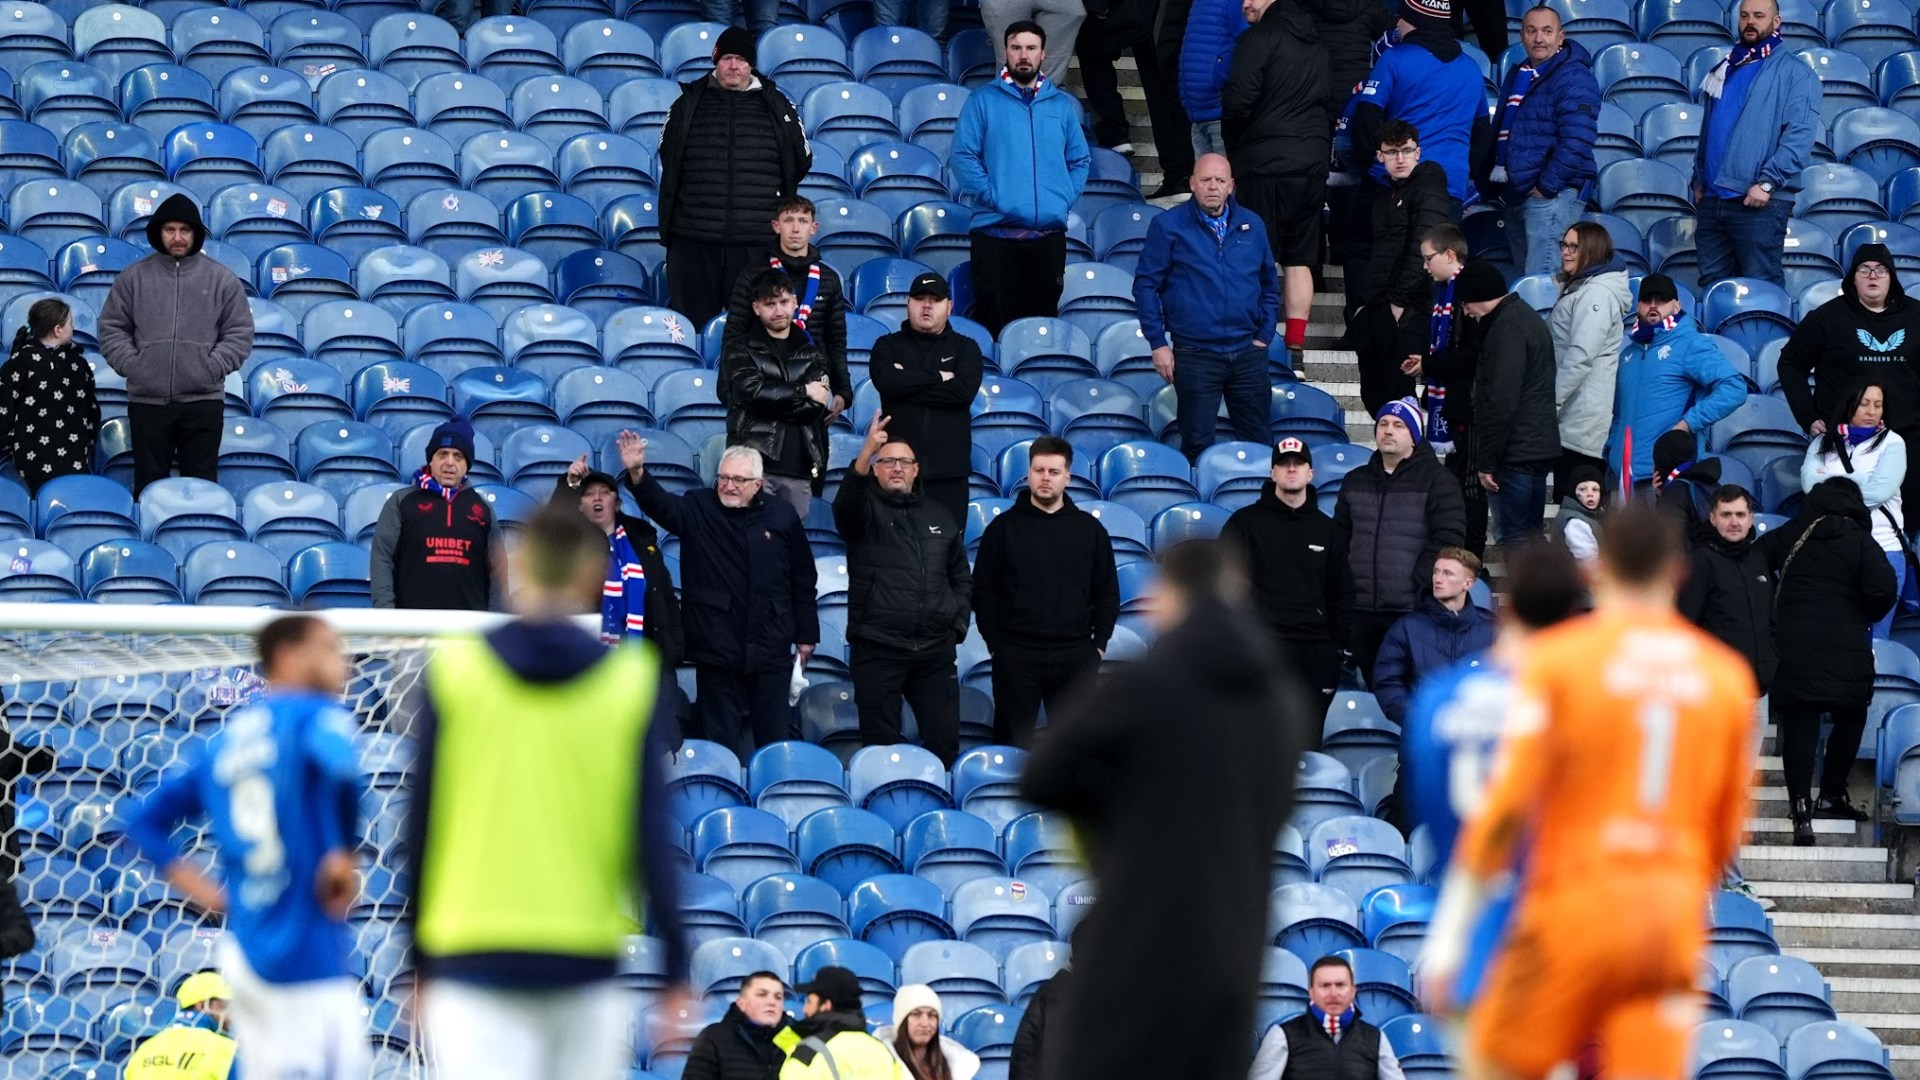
(176,328)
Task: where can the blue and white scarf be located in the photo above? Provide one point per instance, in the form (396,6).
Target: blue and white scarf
(1715,83)
(1439,338)
(623,601)
(1523,77)
(424,480)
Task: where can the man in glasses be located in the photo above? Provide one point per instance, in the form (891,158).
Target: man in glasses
(1871,330)
(910,590)
(1391,318)
(747,593)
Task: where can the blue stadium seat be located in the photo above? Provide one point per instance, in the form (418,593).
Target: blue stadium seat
(1617,138)
(599,403)
(256,218)
(1356,731)
(1779,993)
(1111,181)
(203,158)
(1231,474)
(1030,966)
(413,46)
(260,100)
(80,511)
(1045,353)
(990,1034)
(600,283)
(793,779)
(1323,789)
(1642,191)
(1880,142)
(843,846)
(536,455)
(1836,196)
(16,511)
(1096,415)
(1737,928)
(828,717)
(1187,521)
(1735,1048)
(929,113)
(1384,985)
(397,396)
(500,280)
(986,783)
(86,269)
(899,783)
(550,340)
(295,393)
(285,517)
(403,162)
(504,165)
(826,179)
(1748,311)
(399,278)
(852,233)
(869,964)
(630,225)
(1903,240)
(685,404)
(878,288)
(459,105)
(936,234)
(61,95)
(600,167)
(1000,914)
(181,513)
(117,38)
(1637,77)
(608,52)
(847,116)
(710,908)
(1358,855)
(1395,918)
(351,334)
(507,50)
(1757,431)
(1681,26)
(965,976)
(1146,476)
(253,452)
(358,102)
(1290,858)
(948,847)
(128,571)
(53,213)
(637,108)
(896,176)
(800,58)
(702,777)
(97,957)
(498,399)
(740,845)
(234,573)
(333,575)
(23,268)
(1670,132)
(1095,295)
(555,108)
(107,156)
(720,967)
(316,44)
(897,59)
(1833,1050)
(341,455)
(215,41)
(27,152)
(793,911)
(1040,850)
(550,225)
(894,912)
(33,33)
(1283,988)
(355,221)
(361,511)
(453,223)
(1846,82)
(1311,921)
(1870,29)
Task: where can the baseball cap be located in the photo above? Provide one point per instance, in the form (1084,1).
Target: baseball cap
(1291,448)
(601,479)
(1658,288)
(930,284)
(835,984)
(202,987)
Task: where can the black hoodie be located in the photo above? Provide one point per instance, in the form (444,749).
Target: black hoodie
(1045,580)
(1729,594)
(1828,594)
(1841,341)
(1273,109)
(1302,587)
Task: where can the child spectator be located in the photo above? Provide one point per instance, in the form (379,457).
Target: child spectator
(48,412)
(1577,526)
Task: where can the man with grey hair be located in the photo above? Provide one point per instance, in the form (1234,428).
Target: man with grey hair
(746,588)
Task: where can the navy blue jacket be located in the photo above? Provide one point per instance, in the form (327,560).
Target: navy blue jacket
(1179,284)
(1205,55)
(1426,641)
(1550,137)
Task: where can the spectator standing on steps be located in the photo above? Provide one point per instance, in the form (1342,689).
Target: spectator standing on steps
(1858,443)
(1020,160)
(1762,116)
(1448,365)
(175,325)
(1542,166)
(1391,317)
(1112,28)
(1297,563)
(773,380)
(1586,322)
(1045,595)
(1729,589)
(733,148)
(820,310)
(1207,296)
(1279,136)
(1516,440)
(746,589)
(927,374)
(1214,27)
(1347,29)
(907,565)
(433,544)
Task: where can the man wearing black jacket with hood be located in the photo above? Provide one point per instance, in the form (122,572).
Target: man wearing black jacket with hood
(1729,589)
(1197,739)
(927,374)
(749,1042)
(1871,330)
(1297,559)
(1392,314)
(1516,436)
(1045,594)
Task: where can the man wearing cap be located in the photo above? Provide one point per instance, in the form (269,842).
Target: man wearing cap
(1208,297)
(1297,559)
(834,1044)
(175,325)
(733,148)
(1396,513)
(1516,434)
(1045,594)
(196,1045)
(1762,117)
(433,543)
(1020,159)
(927,374)
(640,601)
(1671,377)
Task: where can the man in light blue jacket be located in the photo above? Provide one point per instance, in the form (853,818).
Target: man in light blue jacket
(1763,109)
(1671,377)
(1020,159)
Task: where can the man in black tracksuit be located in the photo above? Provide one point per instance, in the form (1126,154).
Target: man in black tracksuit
(774,382)
(909,587)
(1045,594)
(927,374)
(1302,587)
(820,310)
(1729,589)
(433,544)
(732,148)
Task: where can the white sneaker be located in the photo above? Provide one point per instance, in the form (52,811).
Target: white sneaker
(1122,148)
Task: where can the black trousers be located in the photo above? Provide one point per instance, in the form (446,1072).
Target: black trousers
(1459,463)
(950,494)
(1317,664)
(1026,678)
(1799,727)
(740,710)
(1016,279)
(187,432)
(700,277)
(1160,83)
(1369,630)
(1489,24)
(1352,232)
(927,680)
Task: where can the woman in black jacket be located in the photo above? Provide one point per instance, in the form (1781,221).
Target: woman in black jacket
(48,412)
(1833,584)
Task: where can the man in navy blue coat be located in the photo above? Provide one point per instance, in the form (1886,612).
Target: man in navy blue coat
(1445,628)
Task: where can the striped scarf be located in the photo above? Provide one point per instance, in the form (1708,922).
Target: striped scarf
(1039,81)
(1716,81)
(1439,339)
(804,309)
(1643,332)
(1523,77)
(623,601)
(424,480)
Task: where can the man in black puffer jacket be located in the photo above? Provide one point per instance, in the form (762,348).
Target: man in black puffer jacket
(749,1042)
(773,380)
(1729,589)
(732,148)
(1516,437)
(1396,512)
(909,587)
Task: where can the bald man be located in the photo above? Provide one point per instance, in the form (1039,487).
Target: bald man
(1209,298)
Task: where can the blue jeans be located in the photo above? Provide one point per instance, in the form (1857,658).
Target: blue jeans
(1520,506)
(1207,139)
(929,16)
(1534,229)
(1735,240)
(761,14)
(1884,628)
(1201,379)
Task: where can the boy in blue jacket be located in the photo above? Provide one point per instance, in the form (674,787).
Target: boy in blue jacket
(1670,377)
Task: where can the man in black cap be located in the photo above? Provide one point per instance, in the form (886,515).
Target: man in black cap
(834,1044)
(928,374)
(1297,559)
(732,149)
(433,544)
(1516,431)
(1671,377)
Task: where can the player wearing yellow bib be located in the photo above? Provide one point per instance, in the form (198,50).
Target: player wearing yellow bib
(195,1046)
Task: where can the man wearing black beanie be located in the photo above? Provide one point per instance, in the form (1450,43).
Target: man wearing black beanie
(1516,433)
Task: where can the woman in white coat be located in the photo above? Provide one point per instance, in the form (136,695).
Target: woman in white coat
(915,1038)
(1857,444)
(1587,325)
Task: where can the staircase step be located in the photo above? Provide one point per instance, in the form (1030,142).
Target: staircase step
(1835,890)
(1831,930)
(1781,826)
(1821,863)
(1879,994)
(1896,1030)
(1862,963)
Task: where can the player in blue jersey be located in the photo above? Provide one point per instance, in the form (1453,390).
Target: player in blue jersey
(1456,718)
(279,787)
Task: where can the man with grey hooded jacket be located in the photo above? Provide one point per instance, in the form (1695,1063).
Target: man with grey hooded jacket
(175,326)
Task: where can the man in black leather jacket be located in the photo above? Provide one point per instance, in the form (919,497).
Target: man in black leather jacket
(773,380)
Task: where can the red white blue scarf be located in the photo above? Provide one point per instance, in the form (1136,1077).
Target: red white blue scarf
(1716,81)
(424,480)
(1439,339)
(804,309)
(623,601)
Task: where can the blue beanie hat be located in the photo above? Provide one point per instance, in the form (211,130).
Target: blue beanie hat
(1408,410)
(457,433)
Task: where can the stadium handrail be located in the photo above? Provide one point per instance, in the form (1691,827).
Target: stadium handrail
(184,619)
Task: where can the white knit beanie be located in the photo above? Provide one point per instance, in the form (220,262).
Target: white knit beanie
(911,997)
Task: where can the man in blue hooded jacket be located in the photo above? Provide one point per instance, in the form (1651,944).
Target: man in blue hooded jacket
(1020,159)
(1671,377)
(1541,167)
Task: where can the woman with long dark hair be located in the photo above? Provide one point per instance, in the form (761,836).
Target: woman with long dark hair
(915,1038)
(1858,444)
(48,412)
(1587,326)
